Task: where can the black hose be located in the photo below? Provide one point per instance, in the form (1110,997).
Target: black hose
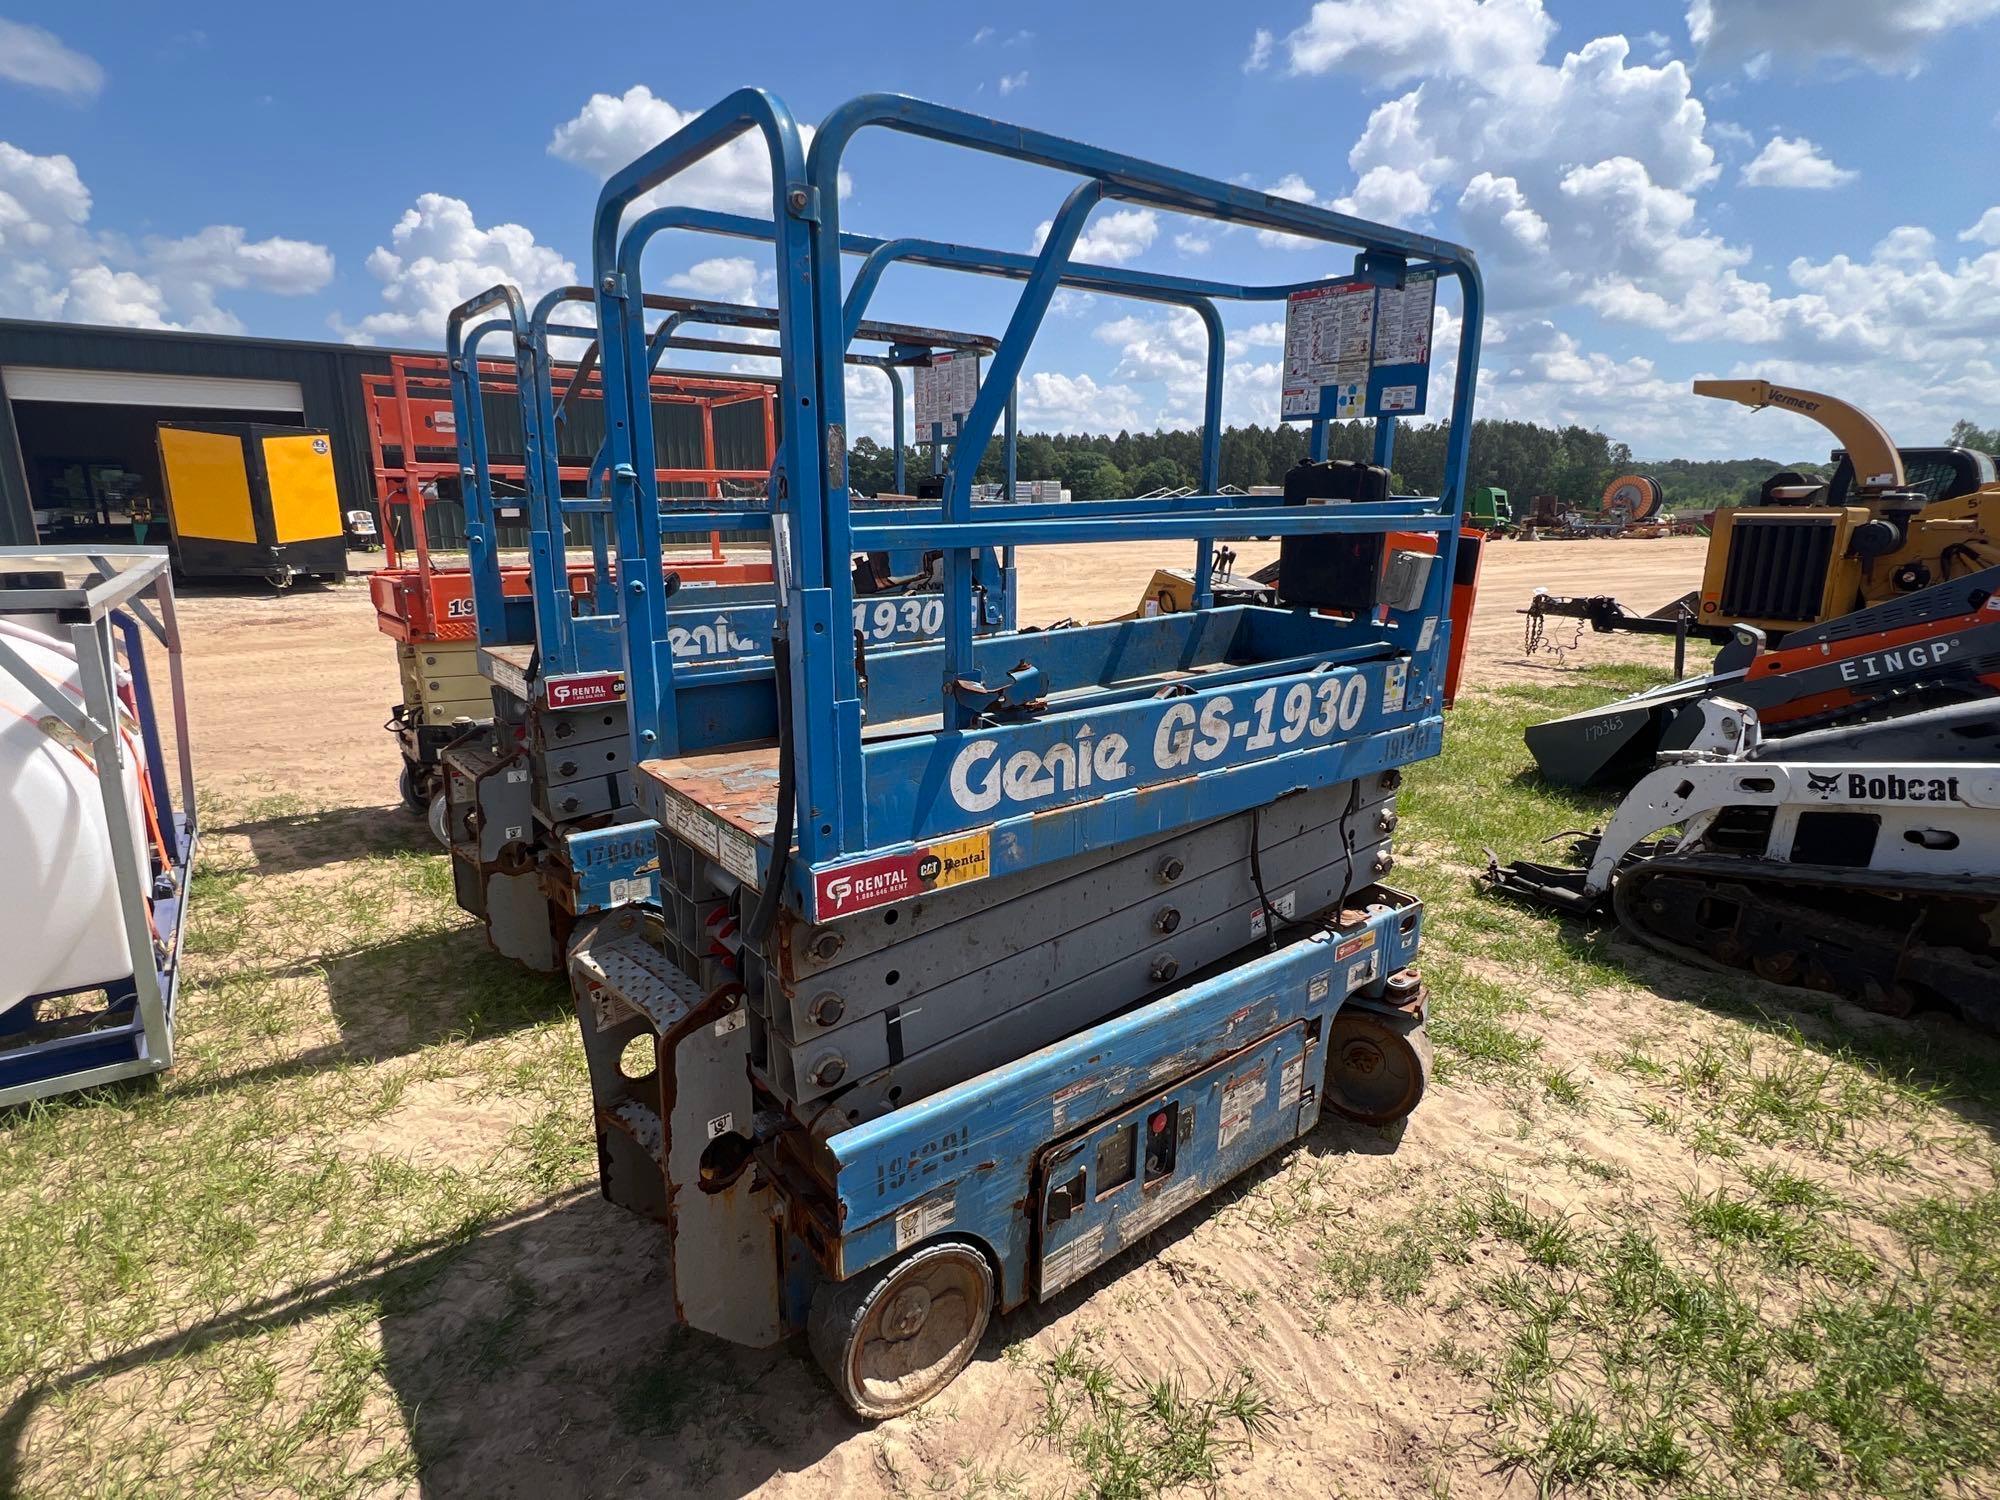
(1257,879)
(781,830)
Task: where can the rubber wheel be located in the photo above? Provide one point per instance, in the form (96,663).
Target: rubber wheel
(894,1336)
(1377,1066)
(440,821)
(412,794)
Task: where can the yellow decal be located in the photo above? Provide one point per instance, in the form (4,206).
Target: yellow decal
(958,861)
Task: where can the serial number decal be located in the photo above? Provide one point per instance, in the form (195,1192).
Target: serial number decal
(897,877)
(981,778)
(926,1161)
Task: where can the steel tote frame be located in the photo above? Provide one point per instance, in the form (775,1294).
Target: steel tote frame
(108,607)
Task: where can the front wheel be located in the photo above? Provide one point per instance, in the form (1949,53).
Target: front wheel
(411,789)
(893,1337)
(1377,1065)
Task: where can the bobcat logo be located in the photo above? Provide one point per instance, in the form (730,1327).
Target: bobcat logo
(1823,785)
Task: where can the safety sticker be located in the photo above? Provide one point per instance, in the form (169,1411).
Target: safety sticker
(1399,398)
(1318,985)
(1165,1204)
(514,832)
(1284,906)
(720,1126)
(896,877)
(514,775)
(640,888)
(1065,1263)
(736,1020)
(1067,1094)
(1355,944)
(1240,1098)
(1289,1080)
(922,1220)
(1428,633)
(686,820)
(1395,686)
(1364,971)
(737,853)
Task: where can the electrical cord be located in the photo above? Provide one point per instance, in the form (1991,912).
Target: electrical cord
(781,832)
(1257,879)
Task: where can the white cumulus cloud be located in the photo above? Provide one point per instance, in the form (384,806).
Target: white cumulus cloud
(1794,162)
(438,256)
(54,264)
(612,130)
(1887,35)
(1259,57)
(1109,239)
(1395,43)
(39,60)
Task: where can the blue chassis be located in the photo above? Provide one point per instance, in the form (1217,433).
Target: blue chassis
(981,1144)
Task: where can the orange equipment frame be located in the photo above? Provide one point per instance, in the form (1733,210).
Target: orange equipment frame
(408,409)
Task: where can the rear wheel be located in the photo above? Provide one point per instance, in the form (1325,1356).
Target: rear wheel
(412,790)
(893,1337)
(1377,1065)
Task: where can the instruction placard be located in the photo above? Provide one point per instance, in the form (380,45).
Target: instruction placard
(1354,349)
(946,389)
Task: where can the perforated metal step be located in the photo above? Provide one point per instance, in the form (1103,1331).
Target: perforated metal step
(626,973)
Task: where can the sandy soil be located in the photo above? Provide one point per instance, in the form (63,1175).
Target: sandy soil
(592,1394)
(289,692)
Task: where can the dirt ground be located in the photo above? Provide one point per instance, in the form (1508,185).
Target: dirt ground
(1649,1231)
(290,691)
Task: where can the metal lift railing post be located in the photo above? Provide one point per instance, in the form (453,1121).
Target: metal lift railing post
(941,255)
(655,732)
(482,538)
(621,328)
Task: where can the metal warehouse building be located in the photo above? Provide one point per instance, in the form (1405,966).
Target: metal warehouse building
(80,407)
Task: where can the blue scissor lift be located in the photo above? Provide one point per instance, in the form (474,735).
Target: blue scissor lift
(1030,941)
(536,807)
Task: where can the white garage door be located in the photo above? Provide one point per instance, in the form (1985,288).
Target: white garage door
(133,388)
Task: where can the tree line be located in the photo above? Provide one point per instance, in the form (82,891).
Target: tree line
(1524,458)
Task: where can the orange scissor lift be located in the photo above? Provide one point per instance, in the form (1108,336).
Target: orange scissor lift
(425,605)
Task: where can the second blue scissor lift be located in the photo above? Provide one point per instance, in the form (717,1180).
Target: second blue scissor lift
(989,955)
(536,808)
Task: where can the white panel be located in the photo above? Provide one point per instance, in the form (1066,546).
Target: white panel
(134,388)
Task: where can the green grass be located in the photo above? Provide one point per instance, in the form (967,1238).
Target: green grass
(251,1252)
(234,1182)
(1133,1439)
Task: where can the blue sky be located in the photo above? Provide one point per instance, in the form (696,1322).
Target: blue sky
(1798,188)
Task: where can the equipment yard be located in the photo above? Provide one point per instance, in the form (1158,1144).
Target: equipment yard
(1653,1229)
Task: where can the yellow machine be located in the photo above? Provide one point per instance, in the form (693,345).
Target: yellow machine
(1172,593)
(1889,522)
(251,500)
